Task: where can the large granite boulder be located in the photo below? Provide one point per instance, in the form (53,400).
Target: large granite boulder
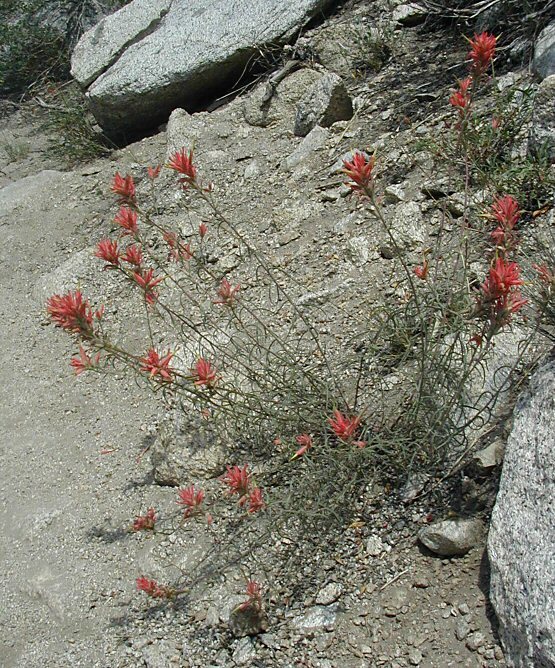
(541,138)
(543,63)
(521,541)
(155,55)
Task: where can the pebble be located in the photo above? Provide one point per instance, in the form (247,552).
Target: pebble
(415,657)
(475,640)
(329,594)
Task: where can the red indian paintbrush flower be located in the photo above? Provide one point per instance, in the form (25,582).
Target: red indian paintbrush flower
(133,255)
(344,427)
(482,51)
(305,441)
(153,172)
(256,500)
(182,162)
(155,365)
(153,589)
(460,98)
(191,498)
(147,281)
(506,211)
(124,186)
(545,274)
(254,596)
(72,312)
(84,362)
(238,480)
(202,230)
(108,251)
(204,373)
(359,170)
(145,522)
(127,219)
(502,277)
(421,271)
(226,293)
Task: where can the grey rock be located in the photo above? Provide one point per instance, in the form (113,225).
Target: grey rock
(248,621)
(462,629)
(329,594)
(314,141)
(151,57)
(408,15)
(415,657)
(186,446)
(407,225)
(360,251)
(326,102)
(475,641)
(281,108)
(542,132)
(317,617)
(452,537)
(159,654)
(101,46)
(374,546)
(521,537)
(244,653)
(543,63)
(489,457)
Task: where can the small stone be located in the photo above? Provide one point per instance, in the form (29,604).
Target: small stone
(498,652)
(421,582)
(317,617)
(329,594)
(247,621)
(314,141)
(408,15)
(326,102)
(252,170)
(415,657)
(464,609)
(489,457)
(475,640)
(244,653)
(450,538)
(374,546)
(462,629)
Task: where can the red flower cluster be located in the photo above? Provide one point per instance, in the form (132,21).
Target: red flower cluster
(145,522)
(154,172)
(359,170)
(153,589)
(482,51)
(421,271)
(238,480)
(254,596)
(226,293)
(124,187)
(499,294)
(72,312)
(345,428)
(84,362)
(127,219)
(147,281)
(108,251)
(204,373)
(305,441)
(460,98)
(202,230)
(133,255)
(506,211)
(191,498)
(155,365)
(182,162)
